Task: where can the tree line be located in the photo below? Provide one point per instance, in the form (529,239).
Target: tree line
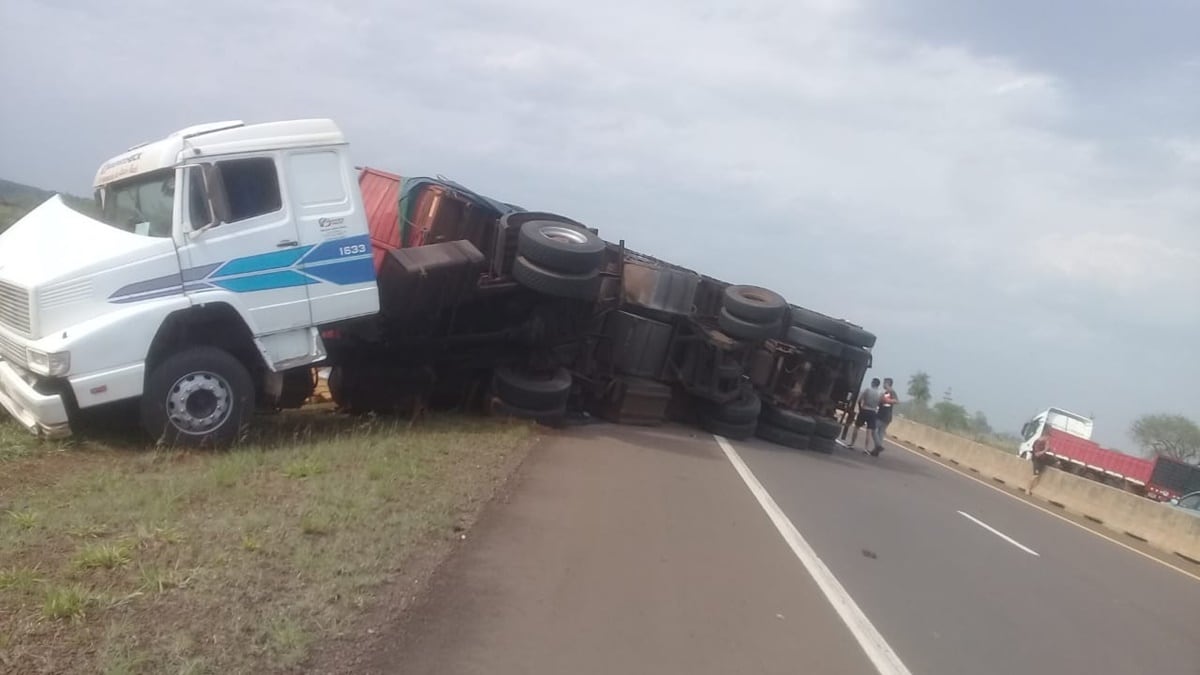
(951,416)
(1161,434)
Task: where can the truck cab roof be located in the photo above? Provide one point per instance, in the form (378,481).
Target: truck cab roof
(217,138)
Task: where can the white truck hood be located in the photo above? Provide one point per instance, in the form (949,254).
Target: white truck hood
(70,264)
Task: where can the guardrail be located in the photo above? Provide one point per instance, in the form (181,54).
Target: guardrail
(1157,524)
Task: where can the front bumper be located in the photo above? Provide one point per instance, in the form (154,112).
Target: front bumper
(42,414)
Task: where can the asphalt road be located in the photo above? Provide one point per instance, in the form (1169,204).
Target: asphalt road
(626,550)
(952,596)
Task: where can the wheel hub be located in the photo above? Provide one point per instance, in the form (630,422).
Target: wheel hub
(564,234)
(198,403)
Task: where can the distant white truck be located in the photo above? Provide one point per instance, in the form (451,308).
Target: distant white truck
(1071,448)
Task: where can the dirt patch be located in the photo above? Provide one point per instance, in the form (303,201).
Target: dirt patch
(116,558)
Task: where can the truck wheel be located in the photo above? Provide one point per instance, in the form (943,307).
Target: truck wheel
(806,338)
(734,431)
(741,329)
(531,391)
(827,428)
(754,304)
(198,397)
(783,437)
(836,328)
(560,246)
(585,286)
(745,408)
(788,419)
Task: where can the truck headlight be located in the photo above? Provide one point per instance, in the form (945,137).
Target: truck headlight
(54,364)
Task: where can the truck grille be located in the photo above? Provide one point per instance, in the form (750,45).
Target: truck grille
(12,352)
(14,308)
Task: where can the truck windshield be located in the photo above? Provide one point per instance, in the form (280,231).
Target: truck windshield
(142,205)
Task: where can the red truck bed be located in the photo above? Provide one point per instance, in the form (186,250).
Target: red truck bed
(1088,454)
(381,201)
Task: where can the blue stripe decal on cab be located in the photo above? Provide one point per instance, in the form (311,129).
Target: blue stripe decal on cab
(262,262)
(265,282)
(346,272)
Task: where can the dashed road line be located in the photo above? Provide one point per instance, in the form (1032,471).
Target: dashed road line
(998,533)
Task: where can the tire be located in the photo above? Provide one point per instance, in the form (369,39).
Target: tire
(836,328)
(788,419)
(827,428)
(743,409)
(561,247)
(754,304)
(823,445)
(740,329)
(585,286)
(336,383)
(803,337)
(199,397)
(734,431)
(789,439)
(530,392)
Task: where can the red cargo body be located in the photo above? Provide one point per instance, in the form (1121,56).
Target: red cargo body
(1087,454)
(381,201)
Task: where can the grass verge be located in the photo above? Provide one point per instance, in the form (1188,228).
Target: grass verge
(119,558)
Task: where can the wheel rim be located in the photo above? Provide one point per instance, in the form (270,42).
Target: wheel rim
(199,403)
(567,235)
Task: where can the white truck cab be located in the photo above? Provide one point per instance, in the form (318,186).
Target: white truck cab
(218,252)
(1056,418)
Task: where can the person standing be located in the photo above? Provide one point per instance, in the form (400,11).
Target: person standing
(886,402)
(868,411)
(1038,458)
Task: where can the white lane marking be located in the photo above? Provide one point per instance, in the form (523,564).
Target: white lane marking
(876,648)
(1048,512)
(998,533)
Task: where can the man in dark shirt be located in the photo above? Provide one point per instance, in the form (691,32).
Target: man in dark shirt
(884,417)
(1038,458)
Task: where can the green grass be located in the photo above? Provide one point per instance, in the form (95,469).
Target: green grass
(19,579)
(234,561)
(26,520)
(66,603)
(105,556)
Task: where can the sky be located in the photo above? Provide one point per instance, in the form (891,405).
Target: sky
(1006,194)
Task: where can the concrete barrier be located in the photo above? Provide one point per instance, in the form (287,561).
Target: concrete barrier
(1122,512)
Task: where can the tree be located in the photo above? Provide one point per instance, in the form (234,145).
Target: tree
(918,388)
(1173,436)
(951,416)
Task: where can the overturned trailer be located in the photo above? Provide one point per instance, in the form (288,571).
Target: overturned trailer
(483,301)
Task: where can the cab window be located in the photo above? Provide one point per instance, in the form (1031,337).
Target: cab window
(251,187)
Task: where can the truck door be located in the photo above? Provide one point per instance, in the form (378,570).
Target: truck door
(253,252)
(333,229)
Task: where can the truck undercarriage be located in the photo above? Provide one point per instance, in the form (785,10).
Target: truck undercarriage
(531,311)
